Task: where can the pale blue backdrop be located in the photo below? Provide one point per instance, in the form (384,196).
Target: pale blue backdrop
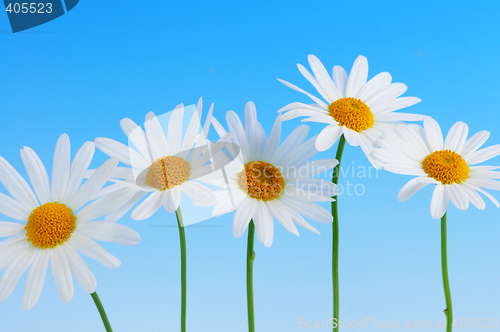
(83,72)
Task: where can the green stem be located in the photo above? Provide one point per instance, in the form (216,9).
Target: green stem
(335,245)
(182,237)
(250,259)
(102,312)
(444,261)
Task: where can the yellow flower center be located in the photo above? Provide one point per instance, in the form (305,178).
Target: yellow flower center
(50,224)
(261,180)
(168,172)
(446,166)
(352,113)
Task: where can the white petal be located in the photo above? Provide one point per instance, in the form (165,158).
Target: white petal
(91,249)
(299,220)
(274,140)
(37,174)
(255,132)
(457,196)
(137,137)
(327,137)
(93,184)
(12,209)
(10,248)
(410,188)
(264,224)
(339,76)
(456,136)
(235,125)
(242,217)
(36,279)
(174,130)
(439,202)
(61,272)
(16,185)
(396,104)
(398,116)
(10,228)
(104,205)
(61,168)
(301,154)
(202,138)
(386,95)
(473,143)
(404,168)
(483,155)
(120,212)
(194,125)
(352,137)
(368,147)
(323,79)
(357,77)
(279,210)
(434,134)
(15,270)
(156,137)
(308,209)
(79,166)
(316,100)
(314,81)
(310,186)
(198,192)
(126,154)
(148,207)
(378,82)
(296,137)
(474,197)
(109,232)
(79,269)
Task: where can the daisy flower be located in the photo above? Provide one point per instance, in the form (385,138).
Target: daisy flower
(353,107)
(56,223)
(161,165)
(421,152)
(268,180)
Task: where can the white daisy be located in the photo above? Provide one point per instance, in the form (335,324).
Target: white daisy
(268,180)
(162,165)
(413,150)
(57,223)
(358,109)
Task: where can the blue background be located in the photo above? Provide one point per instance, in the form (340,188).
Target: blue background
(104,61)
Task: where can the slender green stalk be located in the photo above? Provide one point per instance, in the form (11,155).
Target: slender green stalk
(444,262)
(335,245)
(183,268)
(250,259)
(102,312)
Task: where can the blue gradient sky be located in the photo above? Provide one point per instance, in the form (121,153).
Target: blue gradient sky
(83,72)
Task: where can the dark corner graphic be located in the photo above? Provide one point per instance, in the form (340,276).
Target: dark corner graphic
(26,15)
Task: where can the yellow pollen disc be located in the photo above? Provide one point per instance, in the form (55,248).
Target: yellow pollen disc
(50,224)
(168,172)
(261,180)
(352,113)
(446,166)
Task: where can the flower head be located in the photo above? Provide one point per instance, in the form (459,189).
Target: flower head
(162,165)
(449,165)
(268,180)
(57,222)
(358,109)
